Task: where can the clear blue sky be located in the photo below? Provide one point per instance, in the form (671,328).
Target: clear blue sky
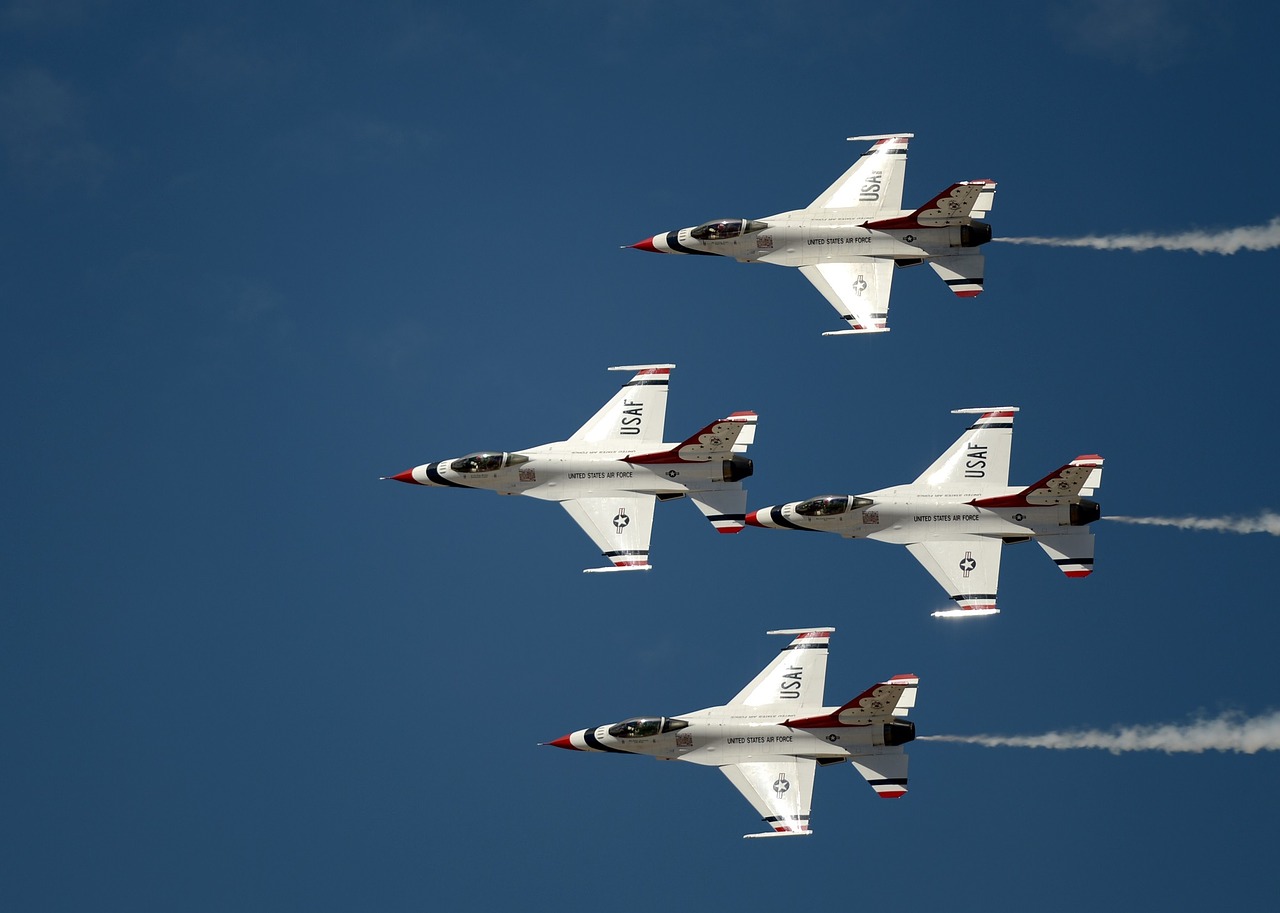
(255,258)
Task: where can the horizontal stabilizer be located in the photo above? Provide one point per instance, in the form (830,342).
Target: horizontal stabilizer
(886,773)
(856,332)
(726,509)
(805,833)
(962,273)
(1072,553)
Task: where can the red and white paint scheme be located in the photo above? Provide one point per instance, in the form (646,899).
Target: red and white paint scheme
(850,240)
(609,473)
(958,514)
(772,735)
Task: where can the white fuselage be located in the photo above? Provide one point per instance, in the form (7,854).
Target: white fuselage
(732,735)
(911,513)
(559,471)
(807,237)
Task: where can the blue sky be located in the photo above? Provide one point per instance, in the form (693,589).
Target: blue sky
(257,258)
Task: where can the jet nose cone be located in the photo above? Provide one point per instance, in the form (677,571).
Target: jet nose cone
(406,476)
(646,244)
(752,520)
(565,741)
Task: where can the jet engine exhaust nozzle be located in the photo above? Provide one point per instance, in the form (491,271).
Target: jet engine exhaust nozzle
(1085,512)
(899,732)
(975,234)
(738,468)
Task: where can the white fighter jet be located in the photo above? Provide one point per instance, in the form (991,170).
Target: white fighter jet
(775,731)
(608,474)
(958,514)
(849,241)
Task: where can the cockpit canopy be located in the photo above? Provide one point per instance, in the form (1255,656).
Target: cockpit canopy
(831,505)
(487,461)
(724,229)
(645,727)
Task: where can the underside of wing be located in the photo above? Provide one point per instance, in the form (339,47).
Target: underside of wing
(795,678)
(873,184)
(780,789)
(967,568)
(619,524)
(858,289)
(636,413)
(980,456)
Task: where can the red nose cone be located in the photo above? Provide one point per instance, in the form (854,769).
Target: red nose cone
(406,476)
(646,244)
(562,742)
(751,519)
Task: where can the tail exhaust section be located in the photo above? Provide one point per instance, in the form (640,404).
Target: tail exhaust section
(725,440)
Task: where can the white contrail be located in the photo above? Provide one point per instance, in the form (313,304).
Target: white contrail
(1229,732)
(1266,522)
(1228,241)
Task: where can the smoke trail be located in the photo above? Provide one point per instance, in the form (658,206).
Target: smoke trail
(1266,522)
(1229,732)
(1249,237)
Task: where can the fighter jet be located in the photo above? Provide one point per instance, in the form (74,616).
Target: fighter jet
(769,738)
(958,514)
(610,471)
(849,241)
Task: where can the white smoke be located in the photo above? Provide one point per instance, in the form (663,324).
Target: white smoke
(1228,241)
(1266,522)
(1229,732)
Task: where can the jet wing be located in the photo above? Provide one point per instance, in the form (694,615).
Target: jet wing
(980,455)
(780,789)
(796,677)
(873,184)
(636,413)
(619,524)
(967,568)
(858,289)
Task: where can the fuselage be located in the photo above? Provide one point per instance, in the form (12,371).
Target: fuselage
(807,237)
(908,514)
(731,735)
(562,470)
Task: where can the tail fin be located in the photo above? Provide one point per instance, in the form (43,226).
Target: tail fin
(1065,485)
(883,702)
(959,204)
(719,440)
